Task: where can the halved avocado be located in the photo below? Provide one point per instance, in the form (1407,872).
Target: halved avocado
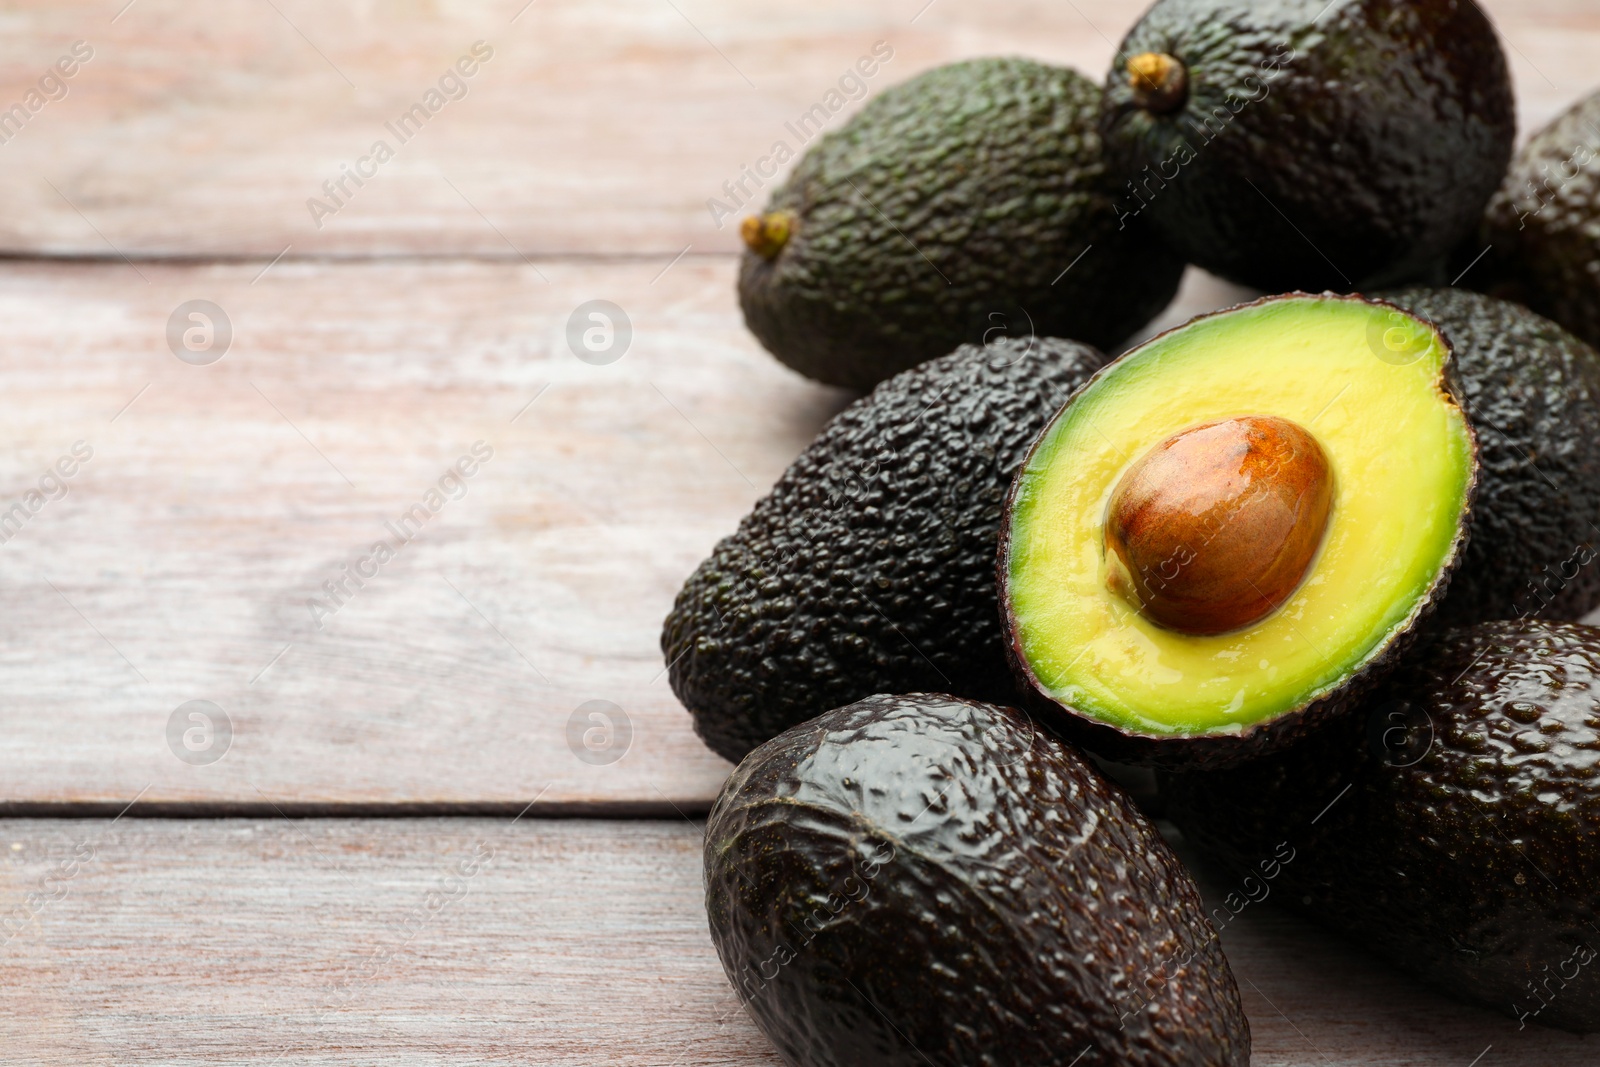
(1230,532)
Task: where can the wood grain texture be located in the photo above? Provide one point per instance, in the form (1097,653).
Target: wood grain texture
(218,499)
(330,942)
(180,563)
(598,126)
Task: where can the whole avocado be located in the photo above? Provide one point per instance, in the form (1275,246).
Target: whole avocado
(1452,827)
(1532,392)
(1544,225)
(916,880)
(870,566)
(966,203)
(1308,144)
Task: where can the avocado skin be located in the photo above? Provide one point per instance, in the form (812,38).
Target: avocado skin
(947,204)
(870,566)
(1296,185)
(1472,866)
(917,880)
(1544,225)
(1532,392)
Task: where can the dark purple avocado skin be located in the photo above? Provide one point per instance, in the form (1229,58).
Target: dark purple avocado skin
(1337,145)
(920,880)
(1452,826)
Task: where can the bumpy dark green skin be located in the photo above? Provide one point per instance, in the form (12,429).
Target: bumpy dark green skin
(1532,391)
(1467,848)
(870,566)
(947,211)
(1342,152)
(918,880)
(1544,225)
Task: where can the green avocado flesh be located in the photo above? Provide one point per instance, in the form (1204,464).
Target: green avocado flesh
(966,204)
(916,880)
(1451,825)
(1370,384)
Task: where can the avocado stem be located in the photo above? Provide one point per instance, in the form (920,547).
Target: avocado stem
(766,235)
(1160,82)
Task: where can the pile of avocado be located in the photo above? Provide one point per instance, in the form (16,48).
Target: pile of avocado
(1317,560)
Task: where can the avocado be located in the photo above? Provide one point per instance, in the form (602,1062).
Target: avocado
(1532,391)
(917,880)
(1451,826)
(968,203)
(1543,226)
(870,566)
(1233,530)
(1310,144)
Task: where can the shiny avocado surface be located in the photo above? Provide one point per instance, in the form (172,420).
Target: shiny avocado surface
(1313,145)
(916,880)
(1543,226)
(1453,826)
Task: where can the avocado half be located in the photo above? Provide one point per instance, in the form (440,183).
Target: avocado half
(1310,144)
(917,880)
(1451,825)
(966,204)
(1233,530)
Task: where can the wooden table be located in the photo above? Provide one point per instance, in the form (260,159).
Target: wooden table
(293,900)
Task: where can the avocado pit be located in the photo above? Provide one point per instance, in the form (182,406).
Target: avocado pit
(1212,529)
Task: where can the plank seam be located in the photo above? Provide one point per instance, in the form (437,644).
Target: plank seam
(400,809)
(182,259)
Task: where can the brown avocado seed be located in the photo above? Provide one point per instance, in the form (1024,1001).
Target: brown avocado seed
(1216,526)
(766,235)
(1160,82)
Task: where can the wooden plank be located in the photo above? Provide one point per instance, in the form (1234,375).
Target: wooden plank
(219,499)
(395,942)
(182,562)
(597,126)
(329,942)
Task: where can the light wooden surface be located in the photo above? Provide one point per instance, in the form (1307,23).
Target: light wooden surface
(567,943)
(180,563)
(599,126)
(422,317)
